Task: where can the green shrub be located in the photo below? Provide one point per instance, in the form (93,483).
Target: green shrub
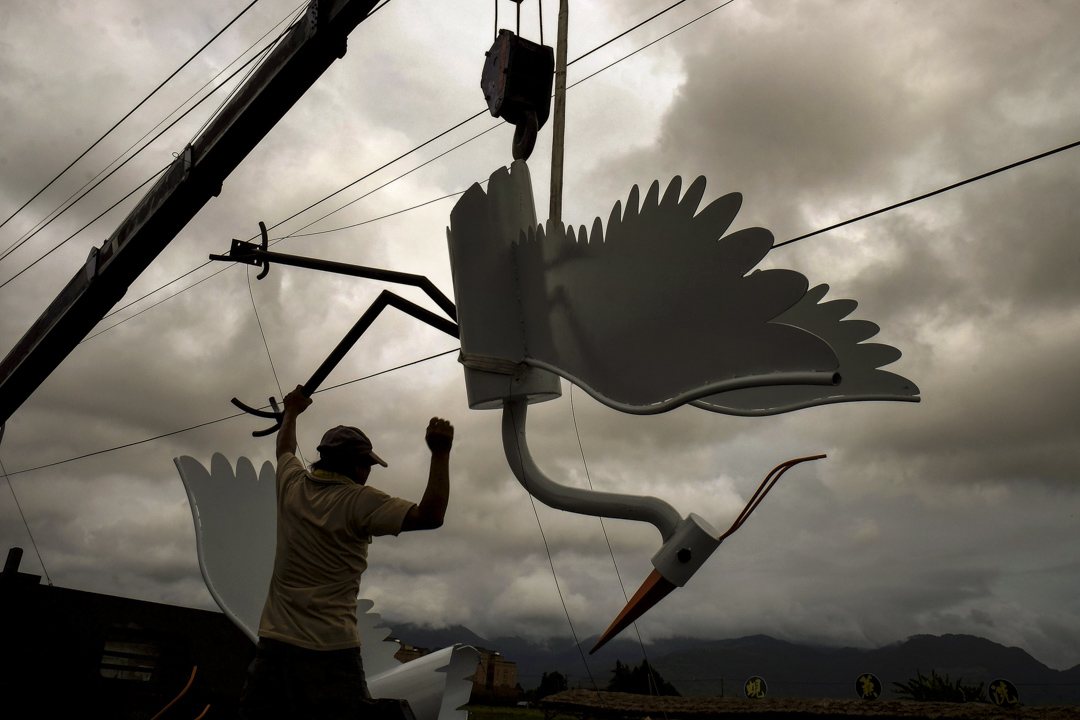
(938,689)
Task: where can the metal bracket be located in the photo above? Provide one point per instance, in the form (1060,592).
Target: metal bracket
(385,299)
(249,253)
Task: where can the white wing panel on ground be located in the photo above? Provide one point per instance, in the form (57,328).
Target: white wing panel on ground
(235,517)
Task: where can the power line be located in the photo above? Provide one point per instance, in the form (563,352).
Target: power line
(427,142)
(648,45)
(320,232)
(130,112)
(388,182)
(64,206)
(223,419)
(290,20)
(894,206)
(625,32)
(69,237)
(473,117)
(110,174)
(381,167)
(23,516)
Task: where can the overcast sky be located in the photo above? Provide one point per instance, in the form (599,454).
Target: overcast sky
(953,515)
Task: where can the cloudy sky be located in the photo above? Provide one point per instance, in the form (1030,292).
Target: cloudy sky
(953,515)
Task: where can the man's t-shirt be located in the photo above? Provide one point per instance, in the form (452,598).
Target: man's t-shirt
(324,524)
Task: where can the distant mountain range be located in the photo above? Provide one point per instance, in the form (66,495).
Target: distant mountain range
(720,667)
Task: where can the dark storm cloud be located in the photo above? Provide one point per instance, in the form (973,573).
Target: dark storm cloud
(928,518)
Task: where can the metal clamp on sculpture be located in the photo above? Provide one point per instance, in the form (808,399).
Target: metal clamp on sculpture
(688,542)
(258,255)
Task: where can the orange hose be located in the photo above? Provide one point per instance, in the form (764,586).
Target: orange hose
(190,680)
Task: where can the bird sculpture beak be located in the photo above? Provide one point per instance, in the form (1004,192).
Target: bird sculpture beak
(683,554)
(653,590)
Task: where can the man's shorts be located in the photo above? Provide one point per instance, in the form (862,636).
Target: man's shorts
(285,681)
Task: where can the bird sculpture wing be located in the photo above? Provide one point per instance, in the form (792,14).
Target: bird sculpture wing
(658,308)
(861,378)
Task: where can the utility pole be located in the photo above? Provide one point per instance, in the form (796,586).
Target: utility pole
(558,129)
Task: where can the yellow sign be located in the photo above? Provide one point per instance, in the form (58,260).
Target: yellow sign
(755,688)
(1003,693)
(868,687)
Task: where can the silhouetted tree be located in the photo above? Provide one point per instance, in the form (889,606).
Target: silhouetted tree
(641,680)
(550,683)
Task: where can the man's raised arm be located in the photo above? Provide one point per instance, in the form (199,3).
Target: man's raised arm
(295,403)
(429,514)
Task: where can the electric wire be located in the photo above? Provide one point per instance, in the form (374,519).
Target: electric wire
(262,334)
(265,52)
(445,132)
(69,237)
(381,167)
(624,33)
(648,45)
(473,117)
(227,417)
(58,246)
(129,113)
(607,540)
(25,523)
(388,182)
(547,548)
(932,193)
(73,200)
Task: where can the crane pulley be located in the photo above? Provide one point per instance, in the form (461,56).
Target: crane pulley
(517,80)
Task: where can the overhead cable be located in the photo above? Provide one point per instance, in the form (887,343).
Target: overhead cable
(418,147)
(69,237)
(130,112)
(473,117)
(227,417)
(57,247)
(932,193)
(72,199)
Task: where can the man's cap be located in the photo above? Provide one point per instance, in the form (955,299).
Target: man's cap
(348,439)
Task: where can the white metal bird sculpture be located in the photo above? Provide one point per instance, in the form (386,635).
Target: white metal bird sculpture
(657,310)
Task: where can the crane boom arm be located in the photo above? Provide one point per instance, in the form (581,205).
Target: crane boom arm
(309,47)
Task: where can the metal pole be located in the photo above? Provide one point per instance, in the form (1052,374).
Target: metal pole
(559,123)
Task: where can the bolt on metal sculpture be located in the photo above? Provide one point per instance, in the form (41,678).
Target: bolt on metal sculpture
(656,310)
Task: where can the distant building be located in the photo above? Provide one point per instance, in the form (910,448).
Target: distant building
(495,678)
(410,652)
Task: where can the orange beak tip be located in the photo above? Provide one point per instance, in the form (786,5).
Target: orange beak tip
(653,590)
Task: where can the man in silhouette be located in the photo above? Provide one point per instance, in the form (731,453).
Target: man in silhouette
(307,663)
